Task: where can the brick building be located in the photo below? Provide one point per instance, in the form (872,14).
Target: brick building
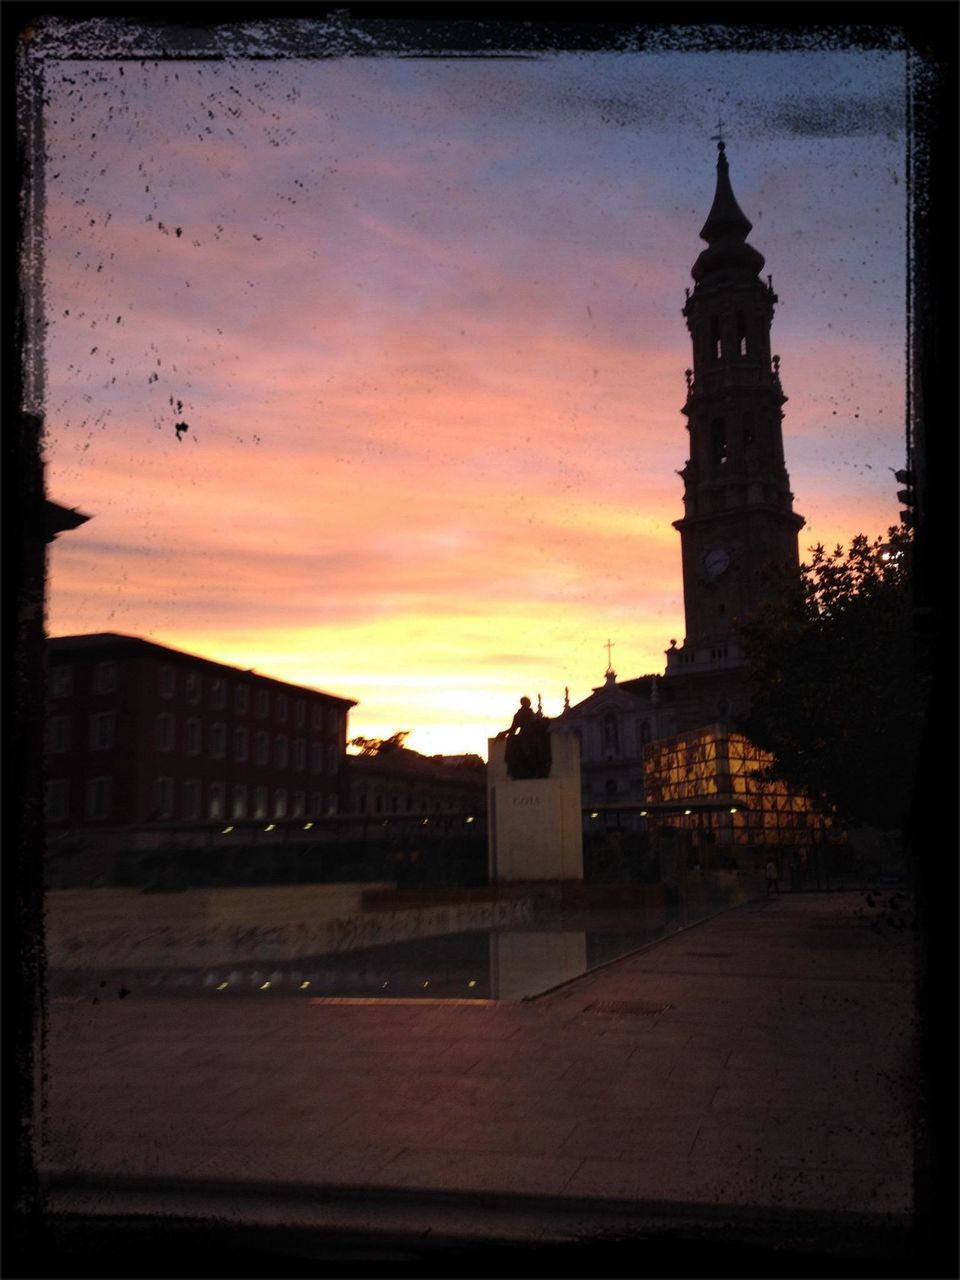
(141,733)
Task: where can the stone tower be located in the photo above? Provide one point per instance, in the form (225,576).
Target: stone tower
(738,525)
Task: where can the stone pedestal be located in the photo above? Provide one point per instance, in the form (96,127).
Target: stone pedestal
(535,826)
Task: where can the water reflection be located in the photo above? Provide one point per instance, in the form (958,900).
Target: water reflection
(484,964)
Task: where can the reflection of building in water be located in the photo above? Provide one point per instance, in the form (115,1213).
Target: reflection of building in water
(722,766)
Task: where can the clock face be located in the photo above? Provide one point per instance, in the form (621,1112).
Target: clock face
(716,562)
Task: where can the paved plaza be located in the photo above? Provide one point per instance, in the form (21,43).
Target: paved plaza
(762,1061)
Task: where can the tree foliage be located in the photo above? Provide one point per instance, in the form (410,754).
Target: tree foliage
(835,694)
(380,746)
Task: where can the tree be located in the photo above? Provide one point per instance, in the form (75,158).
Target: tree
(835,693)
(380,746)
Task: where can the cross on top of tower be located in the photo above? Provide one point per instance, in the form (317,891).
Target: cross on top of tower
(718,136)
(609,646)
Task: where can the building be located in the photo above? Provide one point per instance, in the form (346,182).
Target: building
(716,778)
(139,733)
(738,531)
(401,783)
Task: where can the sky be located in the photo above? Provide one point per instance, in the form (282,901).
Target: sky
(422,319)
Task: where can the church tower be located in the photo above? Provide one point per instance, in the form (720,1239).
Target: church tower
(738,522)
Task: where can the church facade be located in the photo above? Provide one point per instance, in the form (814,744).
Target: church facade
(738,531)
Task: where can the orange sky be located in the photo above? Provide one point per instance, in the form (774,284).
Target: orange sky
(423,321)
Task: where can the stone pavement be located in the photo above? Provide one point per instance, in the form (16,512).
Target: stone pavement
(762,1060)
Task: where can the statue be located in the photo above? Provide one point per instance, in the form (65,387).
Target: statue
(527,753)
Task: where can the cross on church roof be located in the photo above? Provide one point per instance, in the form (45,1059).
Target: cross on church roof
(609,646)
(718,136)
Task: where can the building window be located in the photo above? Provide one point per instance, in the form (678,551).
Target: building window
(57,800)
(280,708)
(241,744)
(192,737)
(58,734)
(238,802)
(280,803)
(194,686)
(299,754)
(262,703)
(99,798)
(331,804)
(102,727)
(716,345)
(191,800)
(316,757)
(643,731)
(260,802)
(331,759)
(718,441)
(241,700)
(611,733)
(299,804)
(261,748)
(105,677)
(741,333)
(280,751)
(61,682)
(166,727)
(217,801)
(316,718)
(299,713)
(162,798)
(167,681)
(218,693)
(316,804)
(218,740)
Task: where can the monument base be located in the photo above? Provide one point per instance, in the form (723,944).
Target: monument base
(535,825)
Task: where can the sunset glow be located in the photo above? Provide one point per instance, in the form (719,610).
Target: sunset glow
(423,322)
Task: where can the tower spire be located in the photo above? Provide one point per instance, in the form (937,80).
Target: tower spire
(727,227)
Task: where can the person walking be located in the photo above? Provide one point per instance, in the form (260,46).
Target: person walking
(773,878)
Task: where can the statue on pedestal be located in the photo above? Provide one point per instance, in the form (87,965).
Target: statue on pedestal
(527,753)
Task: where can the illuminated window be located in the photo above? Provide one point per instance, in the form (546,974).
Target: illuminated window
(260,795)
(216,801)
(238,801)
(280,803)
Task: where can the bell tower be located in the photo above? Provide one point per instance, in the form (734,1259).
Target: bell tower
(738,523)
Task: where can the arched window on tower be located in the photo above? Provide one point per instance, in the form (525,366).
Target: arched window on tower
(718,441)
(741,334)
(716,345)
